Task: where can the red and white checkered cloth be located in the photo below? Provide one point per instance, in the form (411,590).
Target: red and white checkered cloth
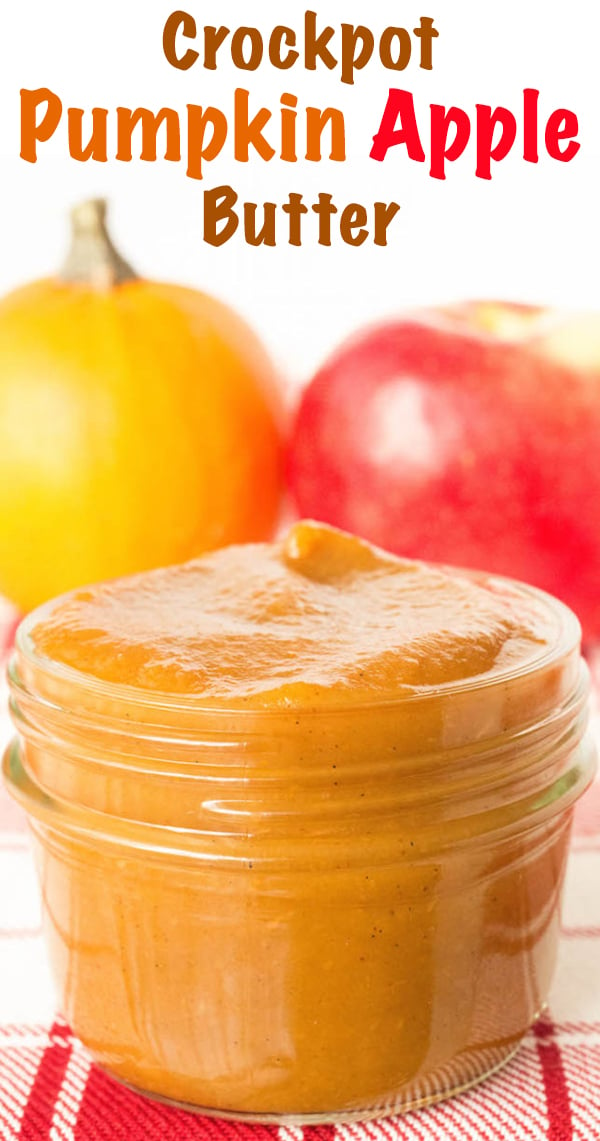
(49,1087)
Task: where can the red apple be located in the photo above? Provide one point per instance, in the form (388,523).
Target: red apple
(442,443)
(507,320)
(572,340)
(568,338)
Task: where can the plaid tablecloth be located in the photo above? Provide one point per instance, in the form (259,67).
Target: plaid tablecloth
(50,1089)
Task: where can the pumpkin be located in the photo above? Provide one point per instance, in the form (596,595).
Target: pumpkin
(140,424)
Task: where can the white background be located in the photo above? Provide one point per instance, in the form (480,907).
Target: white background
(531,234)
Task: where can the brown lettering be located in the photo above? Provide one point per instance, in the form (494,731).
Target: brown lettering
(213,38)
(295,209)
(315,46)
(401,60)
(324,209)
(256,49)
(351,61)
(280,35)
(179,21)
(354,217)
(219,211)
(266,236)
(426,33)
(385,212)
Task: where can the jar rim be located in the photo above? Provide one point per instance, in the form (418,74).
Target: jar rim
(568,640)
(508,739)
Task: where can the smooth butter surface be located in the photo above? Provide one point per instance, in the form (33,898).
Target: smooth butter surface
(318,618)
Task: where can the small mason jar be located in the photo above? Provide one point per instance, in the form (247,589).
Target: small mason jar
(305,914)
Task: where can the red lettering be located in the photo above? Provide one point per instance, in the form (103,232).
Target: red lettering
(562,125)
(487,121)
(441,150)
(400,106)
(530,124)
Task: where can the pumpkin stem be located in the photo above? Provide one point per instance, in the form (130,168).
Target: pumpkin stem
(92,258)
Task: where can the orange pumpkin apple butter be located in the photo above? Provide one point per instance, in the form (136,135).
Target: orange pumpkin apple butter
(301,813)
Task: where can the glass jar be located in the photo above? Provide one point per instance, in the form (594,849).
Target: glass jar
(302,915)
